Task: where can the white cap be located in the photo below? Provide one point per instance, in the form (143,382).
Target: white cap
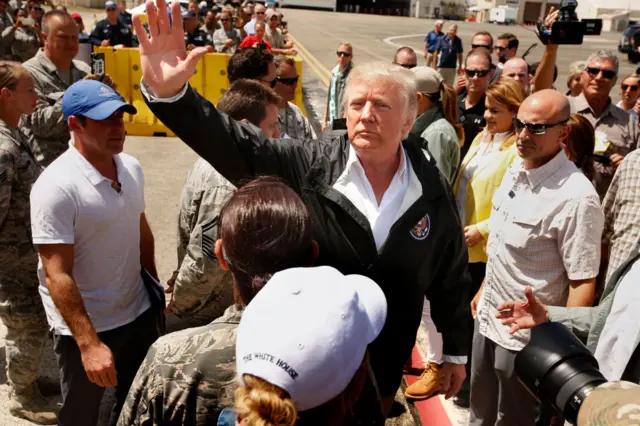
(307,332)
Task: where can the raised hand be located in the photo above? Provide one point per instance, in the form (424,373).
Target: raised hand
(166,67)
(524,314)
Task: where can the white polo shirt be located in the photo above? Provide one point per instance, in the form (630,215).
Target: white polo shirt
(72,203)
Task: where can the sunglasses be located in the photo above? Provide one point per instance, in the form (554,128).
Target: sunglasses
(475,46)
(226,19)
(288,81)
(271,83)
(633,87)
(500,48)
(479,73)
(339,53)
(408,66)
(534,128)
(259,13)
(606,74)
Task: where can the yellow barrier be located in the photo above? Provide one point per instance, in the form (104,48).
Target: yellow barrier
(210,80)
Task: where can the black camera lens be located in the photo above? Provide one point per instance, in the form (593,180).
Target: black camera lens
(558,369)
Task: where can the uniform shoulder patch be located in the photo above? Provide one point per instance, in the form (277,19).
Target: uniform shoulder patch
(421,229)
(208,242)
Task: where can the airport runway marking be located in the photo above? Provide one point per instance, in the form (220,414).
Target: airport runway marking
(321,71)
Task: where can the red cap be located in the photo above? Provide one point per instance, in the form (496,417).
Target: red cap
(76,15)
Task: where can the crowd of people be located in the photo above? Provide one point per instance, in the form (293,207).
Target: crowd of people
(467,195)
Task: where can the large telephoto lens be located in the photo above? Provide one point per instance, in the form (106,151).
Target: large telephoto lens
(558,369)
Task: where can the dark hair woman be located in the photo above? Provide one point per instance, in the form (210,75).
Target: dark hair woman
(189,375)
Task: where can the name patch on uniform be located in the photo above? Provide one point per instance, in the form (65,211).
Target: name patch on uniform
(421,230)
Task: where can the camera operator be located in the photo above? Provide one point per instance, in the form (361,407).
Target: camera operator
(611,330)
(616,132)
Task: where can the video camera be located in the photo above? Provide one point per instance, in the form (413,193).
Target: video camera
(568,29)
(558,369)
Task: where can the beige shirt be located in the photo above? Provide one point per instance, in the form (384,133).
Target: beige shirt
(546,226)
(616,133)
(275,38)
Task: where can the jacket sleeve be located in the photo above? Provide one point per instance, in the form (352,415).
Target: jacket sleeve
(449,294)
(47,118)
(577,319)
(200,274)
(94,37)
(445,151)
(238,151)
(6,183)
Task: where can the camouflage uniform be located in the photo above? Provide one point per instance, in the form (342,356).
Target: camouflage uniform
(202,290)
(295,124)
(187,377)
(46,122)
(5,22)
(22,44)
(611,404)
(21,308)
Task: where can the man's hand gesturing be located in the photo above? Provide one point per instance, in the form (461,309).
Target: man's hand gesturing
(166,67)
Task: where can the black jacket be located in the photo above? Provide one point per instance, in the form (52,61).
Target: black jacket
(117,34)
(406,267)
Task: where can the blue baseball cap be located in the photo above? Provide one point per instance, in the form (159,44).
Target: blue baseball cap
(110,5)
(94,100)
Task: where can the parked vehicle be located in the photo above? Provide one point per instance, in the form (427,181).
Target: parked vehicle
(630,42)
(503,15)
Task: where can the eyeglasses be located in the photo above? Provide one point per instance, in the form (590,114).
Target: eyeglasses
(340,53)
(479,73)
(632,87)
(288,81)
(475,46)
(408,66)
(271,83)
(500,48)
(534,128)
(606,74)
(259,13)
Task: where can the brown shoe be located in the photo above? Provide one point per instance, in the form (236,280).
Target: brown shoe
(34,408)
(427,385)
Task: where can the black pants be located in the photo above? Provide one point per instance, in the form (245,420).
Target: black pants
(80,397)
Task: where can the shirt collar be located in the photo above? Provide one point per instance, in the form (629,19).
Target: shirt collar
(581,105)
(353,163)
(536,177)
(233,314)
(90,172)
(49,66)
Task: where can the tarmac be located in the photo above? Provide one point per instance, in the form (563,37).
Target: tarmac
(166,161)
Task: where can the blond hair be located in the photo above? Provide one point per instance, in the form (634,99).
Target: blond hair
(346,44)
(632,75)
(575,68)
(509,94)
(259,403)
(377,72)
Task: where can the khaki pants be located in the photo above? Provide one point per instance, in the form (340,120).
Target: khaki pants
(428,59)
(449,75)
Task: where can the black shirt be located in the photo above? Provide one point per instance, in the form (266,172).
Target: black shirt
(472,121)
(198,38)
(118,33)
(125,18)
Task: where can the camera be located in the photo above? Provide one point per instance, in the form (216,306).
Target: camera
(568,29)
(558,369)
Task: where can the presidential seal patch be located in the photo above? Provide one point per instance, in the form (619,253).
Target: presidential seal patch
(421,230)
